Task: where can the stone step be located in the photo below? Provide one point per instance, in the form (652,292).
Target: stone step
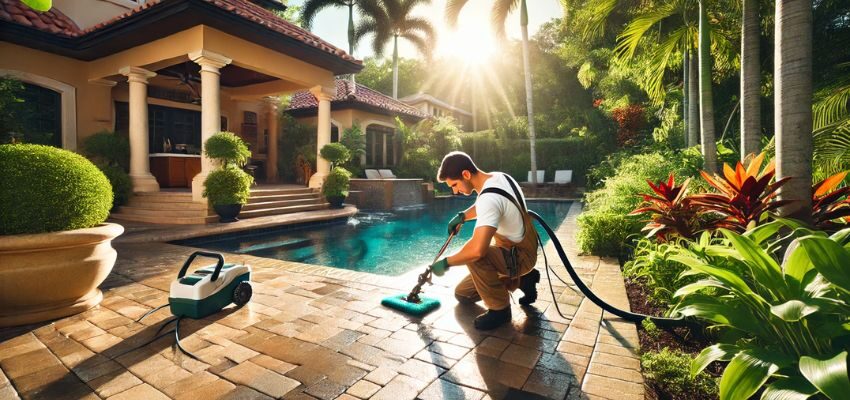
(281,197)
(176,213)
(165,206)
(282,210)
(162,197)
(277,192)
(279,204)
(155,219)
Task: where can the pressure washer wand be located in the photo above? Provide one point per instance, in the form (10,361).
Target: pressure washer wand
(424,277)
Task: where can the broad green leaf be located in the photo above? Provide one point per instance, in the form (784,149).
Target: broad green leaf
(793,388)
(744,375)
(796,265)
(841,237)
(39,5)
(722,251)
(720,351)
(830,259)
(793,310)
(693,287)
(764,231)
(764,268)
(733,281)
(829,375)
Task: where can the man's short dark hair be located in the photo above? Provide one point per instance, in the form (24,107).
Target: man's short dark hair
(454,164)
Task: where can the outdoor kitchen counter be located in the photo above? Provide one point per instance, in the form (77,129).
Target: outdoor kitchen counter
(175,169)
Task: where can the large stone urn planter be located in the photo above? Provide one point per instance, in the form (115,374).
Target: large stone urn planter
(46,276)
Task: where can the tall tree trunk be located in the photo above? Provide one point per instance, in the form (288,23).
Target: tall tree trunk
(395,66)
(750,81)
(528,91)
(793,116)
(685,96)
(351,40)
(709,147)
(693,100)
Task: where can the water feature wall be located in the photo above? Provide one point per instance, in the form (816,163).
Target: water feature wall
(386,194)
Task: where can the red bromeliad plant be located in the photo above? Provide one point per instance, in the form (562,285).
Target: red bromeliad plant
(829,210)
(744,194)
(670,209)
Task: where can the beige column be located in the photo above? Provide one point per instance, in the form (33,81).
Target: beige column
(384,158)
(210,64)
(140,172)
(323,167)
(271,161)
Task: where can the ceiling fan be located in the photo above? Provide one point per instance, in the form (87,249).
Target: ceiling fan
(184,78)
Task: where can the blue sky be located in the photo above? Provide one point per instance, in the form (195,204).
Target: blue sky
(472,36)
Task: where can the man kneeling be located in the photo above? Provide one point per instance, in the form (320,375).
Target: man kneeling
(501,214)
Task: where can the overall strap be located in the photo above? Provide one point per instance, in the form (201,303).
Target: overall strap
(505,195)
(516,192)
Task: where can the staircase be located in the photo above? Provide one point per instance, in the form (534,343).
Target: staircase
(178,207)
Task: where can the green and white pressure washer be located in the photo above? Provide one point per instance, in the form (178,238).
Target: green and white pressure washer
(204,292)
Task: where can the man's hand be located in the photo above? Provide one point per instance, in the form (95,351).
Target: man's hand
(439,268)
(456,222)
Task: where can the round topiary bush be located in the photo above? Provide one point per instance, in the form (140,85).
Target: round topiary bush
(336,153)
(226,186)
(227,148)
(46,189)
(337,183)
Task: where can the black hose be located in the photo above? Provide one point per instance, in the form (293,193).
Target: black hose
(627,315)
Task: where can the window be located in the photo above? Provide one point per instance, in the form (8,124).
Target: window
(334,134)
(38,118)
(180,127)
(375,139)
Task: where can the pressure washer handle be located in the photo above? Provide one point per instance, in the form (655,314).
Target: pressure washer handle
(445,246)
(218,264)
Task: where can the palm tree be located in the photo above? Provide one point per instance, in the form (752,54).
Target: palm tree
(499,13)
(706,103)
(312,7)
(693,101)
(750,80)
(793,107)
(390,19)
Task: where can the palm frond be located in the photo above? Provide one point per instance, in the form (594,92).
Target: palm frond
(832,105)
(831,147)
(453,8)
(499,14)
(313,7)
(407,6)
(369,26)
(424,46)
(660,58)
(630,38)
(421,25)
(593,18)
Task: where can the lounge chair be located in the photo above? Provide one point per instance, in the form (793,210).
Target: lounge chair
(563,177)
(541,174)
(387,174)
(372,174)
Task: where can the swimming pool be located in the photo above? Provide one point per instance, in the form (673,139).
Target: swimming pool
(387,243)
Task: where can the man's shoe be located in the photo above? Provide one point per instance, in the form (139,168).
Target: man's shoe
(528,285)
(492,319)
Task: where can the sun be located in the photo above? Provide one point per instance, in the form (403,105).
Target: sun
(470,43)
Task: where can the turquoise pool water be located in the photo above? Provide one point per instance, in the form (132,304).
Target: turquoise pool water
(387,243)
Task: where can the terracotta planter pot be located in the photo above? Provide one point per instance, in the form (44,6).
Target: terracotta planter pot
(46,276)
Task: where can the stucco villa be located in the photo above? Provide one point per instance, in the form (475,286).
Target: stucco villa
(434,107)
(373,111)
(169,74)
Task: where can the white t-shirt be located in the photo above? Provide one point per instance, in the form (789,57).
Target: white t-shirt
(493,209)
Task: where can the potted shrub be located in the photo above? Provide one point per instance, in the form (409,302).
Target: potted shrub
(55,249)
(111,153)
(335,187)
(228,187)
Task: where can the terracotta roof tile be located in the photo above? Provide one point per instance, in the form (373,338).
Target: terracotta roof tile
(55,22)
(52,21)
(305,100)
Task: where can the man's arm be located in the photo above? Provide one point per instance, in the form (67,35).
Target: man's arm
(475,248)
(469,214)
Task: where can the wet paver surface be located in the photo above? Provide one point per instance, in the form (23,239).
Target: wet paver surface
(313,332)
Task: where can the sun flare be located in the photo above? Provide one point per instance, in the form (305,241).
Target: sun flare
(472,44)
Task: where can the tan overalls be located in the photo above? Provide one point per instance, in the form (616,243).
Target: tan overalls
(488,277)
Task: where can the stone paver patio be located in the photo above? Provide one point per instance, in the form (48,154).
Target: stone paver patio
(318,332)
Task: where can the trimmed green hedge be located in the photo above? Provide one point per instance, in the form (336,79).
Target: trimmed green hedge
(46,189)
(228,185)
(514,156)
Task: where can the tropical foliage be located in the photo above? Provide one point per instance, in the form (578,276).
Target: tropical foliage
(782,323)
